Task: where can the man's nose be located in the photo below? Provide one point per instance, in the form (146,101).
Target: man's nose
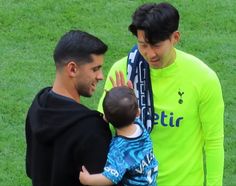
(100,75)
(151,52)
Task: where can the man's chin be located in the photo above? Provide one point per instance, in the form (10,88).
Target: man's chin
(87,94)
(155,66)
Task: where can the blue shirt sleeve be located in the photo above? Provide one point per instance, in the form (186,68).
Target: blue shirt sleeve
(115,167)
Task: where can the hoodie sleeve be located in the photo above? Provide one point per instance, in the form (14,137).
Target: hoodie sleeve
(95,145)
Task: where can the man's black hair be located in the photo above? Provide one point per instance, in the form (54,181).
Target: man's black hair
(78,46)
(158,21)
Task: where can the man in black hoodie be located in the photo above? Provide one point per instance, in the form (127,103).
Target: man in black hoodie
(62,134)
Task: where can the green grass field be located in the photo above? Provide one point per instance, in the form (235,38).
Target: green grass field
(30,29)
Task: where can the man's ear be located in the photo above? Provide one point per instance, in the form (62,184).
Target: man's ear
(138,113)
(71,68)
(176,37)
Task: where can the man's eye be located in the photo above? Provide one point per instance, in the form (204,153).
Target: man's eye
(95,69)
(156,46)
(143,46)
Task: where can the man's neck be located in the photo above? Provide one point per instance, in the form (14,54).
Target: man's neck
(171,59)
(63,88)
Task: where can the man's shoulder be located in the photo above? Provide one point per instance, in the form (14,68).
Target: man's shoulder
(193,63)
(195,70)
(92,126)
(187,57)
(93,117)
(120,64)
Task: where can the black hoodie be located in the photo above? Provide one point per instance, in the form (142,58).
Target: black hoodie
(61,136)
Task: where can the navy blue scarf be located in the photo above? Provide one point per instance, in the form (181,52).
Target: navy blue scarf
(138,72)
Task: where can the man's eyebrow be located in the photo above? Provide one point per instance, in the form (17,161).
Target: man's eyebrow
(141,41)
(97,66)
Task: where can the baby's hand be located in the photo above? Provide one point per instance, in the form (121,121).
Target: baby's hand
(120,80)
(84,175)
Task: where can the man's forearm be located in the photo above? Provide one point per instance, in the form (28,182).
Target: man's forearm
(214,152)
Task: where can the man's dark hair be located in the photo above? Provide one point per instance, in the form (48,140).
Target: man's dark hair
(158,21)
(78,46)
(120,106)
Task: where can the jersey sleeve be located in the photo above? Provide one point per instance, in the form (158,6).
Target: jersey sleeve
(115,167)
(211,110)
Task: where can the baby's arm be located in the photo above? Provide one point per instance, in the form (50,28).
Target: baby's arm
(93,179)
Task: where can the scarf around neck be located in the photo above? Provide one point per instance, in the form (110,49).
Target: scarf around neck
(139,73)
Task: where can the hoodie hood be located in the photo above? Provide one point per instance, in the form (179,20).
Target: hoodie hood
(50,115)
